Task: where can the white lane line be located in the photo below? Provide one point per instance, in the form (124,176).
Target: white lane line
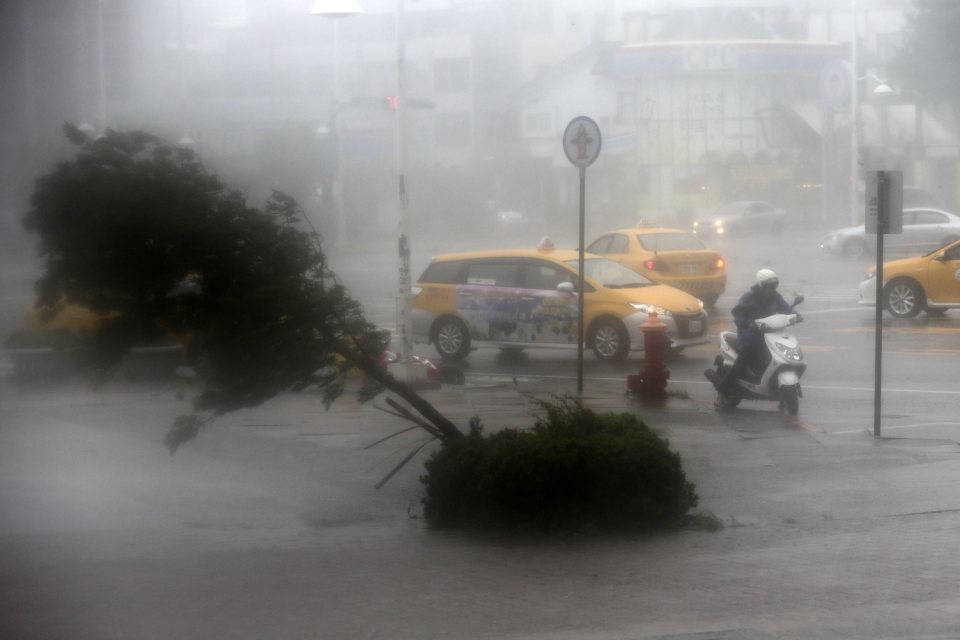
(842,310)
(899,426)
(623,379)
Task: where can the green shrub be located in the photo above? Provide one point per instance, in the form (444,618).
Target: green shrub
(575,469)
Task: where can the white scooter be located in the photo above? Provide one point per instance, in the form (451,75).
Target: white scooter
(775,377)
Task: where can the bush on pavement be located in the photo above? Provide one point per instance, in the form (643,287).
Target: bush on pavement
(576,469)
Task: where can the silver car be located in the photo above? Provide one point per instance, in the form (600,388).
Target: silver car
(924,229)
(742,218)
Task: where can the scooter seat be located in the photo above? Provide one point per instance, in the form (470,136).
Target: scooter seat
(731,339)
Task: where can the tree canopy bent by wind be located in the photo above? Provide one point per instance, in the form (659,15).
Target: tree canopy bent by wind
(136,227)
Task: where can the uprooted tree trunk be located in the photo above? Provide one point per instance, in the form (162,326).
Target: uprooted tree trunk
(444,427)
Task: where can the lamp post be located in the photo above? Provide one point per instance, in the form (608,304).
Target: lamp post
(854,117)
(336,10)
(403,243)
(101,74)
(883,93)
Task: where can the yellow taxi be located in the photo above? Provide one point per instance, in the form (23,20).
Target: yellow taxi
(667,256)
(928,283)
(519,299)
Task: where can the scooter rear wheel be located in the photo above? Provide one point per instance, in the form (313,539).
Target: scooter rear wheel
(724,402)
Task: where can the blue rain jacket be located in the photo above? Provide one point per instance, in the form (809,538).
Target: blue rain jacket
(751,307)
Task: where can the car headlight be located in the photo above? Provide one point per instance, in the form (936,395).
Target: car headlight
(696,223)
(718,223)
(870,275)
(651,308)
(790,353)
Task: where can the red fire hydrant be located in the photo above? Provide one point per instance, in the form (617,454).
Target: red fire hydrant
(651,382)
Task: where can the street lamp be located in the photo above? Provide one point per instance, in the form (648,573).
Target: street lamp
(405,281)
(336,10)
(883,93)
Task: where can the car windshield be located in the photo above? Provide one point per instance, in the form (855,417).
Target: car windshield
(611,274)
(670,241)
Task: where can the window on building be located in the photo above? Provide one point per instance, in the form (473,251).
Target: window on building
(453,129)
(626,107)
(451,75)
(538,122)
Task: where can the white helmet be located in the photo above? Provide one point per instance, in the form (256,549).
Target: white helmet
(767,279)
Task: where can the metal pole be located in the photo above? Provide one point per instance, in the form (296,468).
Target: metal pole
(854,118)
(883,207)
(403,244)
(826,164)
(335,130)
(580,285)
(102,106)
(181,83)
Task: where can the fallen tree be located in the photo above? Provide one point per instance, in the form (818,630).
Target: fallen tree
(141,230)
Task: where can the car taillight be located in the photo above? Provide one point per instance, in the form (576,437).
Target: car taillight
(656,265)
(718,264)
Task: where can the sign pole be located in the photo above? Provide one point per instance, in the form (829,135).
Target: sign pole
(883,187)
(884,215)
(581,144)
(580,283)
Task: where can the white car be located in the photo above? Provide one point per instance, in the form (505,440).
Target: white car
(924,229)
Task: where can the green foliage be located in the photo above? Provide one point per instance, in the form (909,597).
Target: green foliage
(136,226)
(575,469)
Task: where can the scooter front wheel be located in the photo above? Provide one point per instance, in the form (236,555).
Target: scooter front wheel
(790,399)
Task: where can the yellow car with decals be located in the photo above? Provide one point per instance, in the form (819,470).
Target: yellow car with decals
(527,298)
(928,283)
(667,256)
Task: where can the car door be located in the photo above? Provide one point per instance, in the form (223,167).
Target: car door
(906,240)
(943,276)
(489,300)
(929,229)
(546,314)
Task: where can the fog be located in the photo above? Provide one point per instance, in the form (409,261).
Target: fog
(490,86)
(700,104)
(704,106)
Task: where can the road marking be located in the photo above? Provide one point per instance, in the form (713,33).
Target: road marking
(624,380)
(912,330)
(899,426)
(927,352)
(818,312)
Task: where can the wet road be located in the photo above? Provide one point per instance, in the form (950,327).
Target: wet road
(921,357)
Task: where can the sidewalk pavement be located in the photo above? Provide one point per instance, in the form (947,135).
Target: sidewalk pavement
(825,536)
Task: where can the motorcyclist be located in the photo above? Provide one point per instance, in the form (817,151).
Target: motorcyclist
(760,301)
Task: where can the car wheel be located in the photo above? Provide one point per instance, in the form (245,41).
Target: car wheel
(790,399)
(609,340)
(904,299)
(709,299)
(451,339)
(855,248)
